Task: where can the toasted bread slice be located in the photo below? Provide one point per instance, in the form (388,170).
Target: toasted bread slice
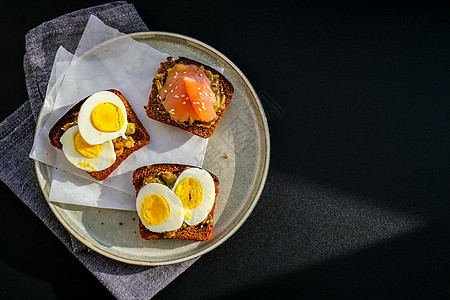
(199,232)
(140,137)
(155,109)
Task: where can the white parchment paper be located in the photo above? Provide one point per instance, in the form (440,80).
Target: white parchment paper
(105,59)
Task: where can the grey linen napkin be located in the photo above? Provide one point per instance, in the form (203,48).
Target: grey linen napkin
(16,139)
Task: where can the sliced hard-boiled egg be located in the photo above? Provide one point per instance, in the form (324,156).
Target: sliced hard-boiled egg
(85,156)
(102,117)
(196,191)
(159,208)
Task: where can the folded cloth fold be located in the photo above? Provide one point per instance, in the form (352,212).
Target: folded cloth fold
(16,138)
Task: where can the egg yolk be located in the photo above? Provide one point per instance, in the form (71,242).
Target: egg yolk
(154,209)
(86,165)
(85,149)
(107,117)
(190,192)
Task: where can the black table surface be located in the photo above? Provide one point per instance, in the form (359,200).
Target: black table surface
(356,202)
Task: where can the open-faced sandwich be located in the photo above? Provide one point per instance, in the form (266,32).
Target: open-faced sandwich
(175,201)
(98,133)
(189,95)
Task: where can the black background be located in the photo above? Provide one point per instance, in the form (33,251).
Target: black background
(357,199)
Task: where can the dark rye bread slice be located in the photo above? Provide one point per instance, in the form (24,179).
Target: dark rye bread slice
(199,232)
(155,109)
(140,137)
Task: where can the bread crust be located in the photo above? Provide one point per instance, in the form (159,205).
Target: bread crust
(199,232)
(140,137)
(155,110)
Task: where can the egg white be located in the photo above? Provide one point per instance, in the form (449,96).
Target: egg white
(175,219)
(106,158)
(89,133)
(199,213)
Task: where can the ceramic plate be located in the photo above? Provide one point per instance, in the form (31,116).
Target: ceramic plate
(238,153)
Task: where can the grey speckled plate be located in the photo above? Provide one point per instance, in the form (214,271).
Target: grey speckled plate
(242,136)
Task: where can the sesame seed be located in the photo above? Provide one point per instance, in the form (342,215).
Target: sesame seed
(165,91)
(174,77)
(198,88)
(176,87)
(176,96)
(199,109)
(201,75)
(184,72)
(170,85)
(176,73)
(182,95)
(184,102)
(187,98)
(171,91)
(200,93)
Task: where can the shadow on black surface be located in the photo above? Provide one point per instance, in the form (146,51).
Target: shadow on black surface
(370,113)
(410,267)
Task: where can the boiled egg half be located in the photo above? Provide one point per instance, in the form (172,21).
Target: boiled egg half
(102,117)
(85,156)
(159,208)
(196,191)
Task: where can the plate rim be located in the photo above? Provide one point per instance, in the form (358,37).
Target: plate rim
(134,261)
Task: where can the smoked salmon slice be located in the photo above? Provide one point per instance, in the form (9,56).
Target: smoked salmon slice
(187,94)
